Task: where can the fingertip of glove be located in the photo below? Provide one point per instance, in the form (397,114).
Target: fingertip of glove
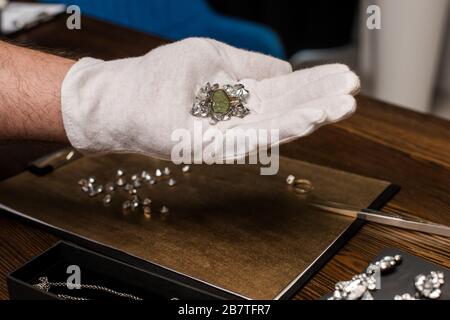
(356,83)
(282,67)
(351,82)
(343,107)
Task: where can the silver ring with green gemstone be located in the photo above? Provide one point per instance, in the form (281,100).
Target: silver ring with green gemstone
(220,104)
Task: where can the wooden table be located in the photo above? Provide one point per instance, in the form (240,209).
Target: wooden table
(380,141)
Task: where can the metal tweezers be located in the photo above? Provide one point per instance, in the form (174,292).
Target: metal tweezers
(391,219)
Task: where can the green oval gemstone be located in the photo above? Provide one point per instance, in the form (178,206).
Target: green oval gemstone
(220,101)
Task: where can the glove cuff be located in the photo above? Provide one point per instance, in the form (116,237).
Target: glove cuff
(71,105)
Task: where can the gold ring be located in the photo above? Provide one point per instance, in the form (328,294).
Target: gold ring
(303,186)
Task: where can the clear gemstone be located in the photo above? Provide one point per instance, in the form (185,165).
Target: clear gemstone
(147,202)
(355,290)
(367,296)
(204,92)
(290,179)
(158,173)
(120,173)
(137,183)
(229,89)
(206,107)
(166,171)
(135,202)
(128,187)
(110,187)
(164,209)
(121,182)
(241,93)
(126,205)
(436,293)
(132,191)
(240,111)
(197,108)
(91,190)
(186,168)
(134,177)
(91,179)
(107,199)
(171,182)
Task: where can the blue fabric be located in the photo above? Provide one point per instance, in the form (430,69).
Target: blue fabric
(178,19)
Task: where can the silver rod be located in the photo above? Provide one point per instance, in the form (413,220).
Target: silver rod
(384,218)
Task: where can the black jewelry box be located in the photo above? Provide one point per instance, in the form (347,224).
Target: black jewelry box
(100,270)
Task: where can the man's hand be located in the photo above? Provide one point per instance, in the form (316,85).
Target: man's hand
(134,105)
(30,99)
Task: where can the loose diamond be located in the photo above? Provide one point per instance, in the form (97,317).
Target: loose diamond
(120,173)
(137,183)
(126,205)
(110,187)
(135,203)
(107,199)
(121,182)
(166,171)
(197,108)
(144,175)
(171,182)
(147,202)
(158,173)
(99,189)
(186,169)
(164,209)
(290,179)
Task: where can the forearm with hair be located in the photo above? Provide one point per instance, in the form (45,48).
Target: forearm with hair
(30,101)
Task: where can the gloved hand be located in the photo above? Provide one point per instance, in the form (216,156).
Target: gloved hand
(135,104)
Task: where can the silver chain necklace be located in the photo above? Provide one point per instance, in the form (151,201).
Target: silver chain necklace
(45,285)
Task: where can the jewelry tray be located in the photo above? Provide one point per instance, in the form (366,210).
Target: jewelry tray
(99,270)
(229,228)
(401,279)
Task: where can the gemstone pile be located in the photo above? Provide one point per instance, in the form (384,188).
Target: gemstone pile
(131,186)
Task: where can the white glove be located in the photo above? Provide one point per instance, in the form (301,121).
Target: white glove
(135,104)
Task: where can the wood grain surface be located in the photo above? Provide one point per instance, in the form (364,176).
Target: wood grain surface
(380,141)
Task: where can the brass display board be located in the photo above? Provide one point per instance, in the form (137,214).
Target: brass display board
(227,226)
